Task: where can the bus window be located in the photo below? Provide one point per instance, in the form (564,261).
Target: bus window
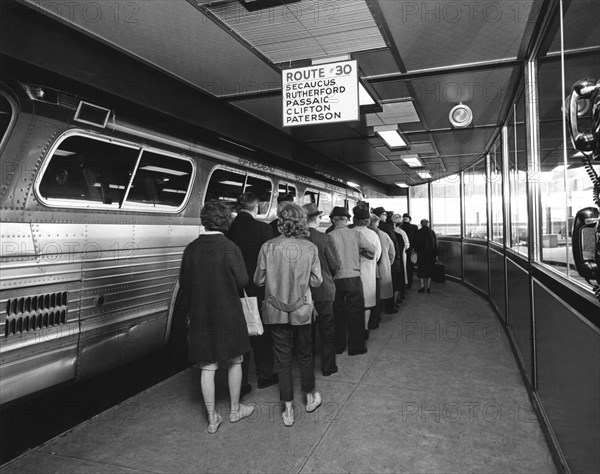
(262,188)
(339,200)
(285,188)
(311,197)
(225,185)
(325,203)
(160,181)
(88,170)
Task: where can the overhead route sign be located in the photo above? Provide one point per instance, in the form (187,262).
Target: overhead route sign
(323,93)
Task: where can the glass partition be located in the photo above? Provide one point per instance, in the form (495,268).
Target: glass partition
(565,187)
(475,201)
(445,198)
(495,180)
(419,203)
(517,178)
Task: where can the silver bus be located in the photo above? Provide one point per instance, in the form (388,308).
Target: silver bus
(96,213)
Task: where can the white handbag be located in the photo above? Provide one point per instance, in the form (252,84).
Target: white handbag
(250,307)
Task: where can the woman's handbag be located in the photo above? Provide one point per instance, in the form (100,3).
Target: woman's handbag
(250,307)
(413,257)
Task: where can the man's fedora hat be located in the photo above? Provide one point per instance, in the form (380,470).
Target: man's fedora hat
(361,213)
(339,211)
(312,210)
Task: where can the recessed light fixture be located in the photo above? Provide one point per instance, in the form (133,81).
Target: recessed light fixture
(424,174)
(460,116)
(412,161)
(401,184)
(390,136)
(364,98)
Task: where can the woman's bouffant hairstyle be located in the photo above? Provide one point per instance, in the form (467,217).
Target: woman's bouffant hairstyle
(361,222)
(216,215)
(293,221)
(373,221)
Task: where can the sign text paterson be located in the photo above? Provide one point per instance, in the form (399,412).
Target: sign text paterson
(324,93)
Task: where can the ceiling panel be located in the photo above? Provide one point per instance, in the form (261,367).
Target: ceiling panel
(267,109)
(478,31)
(348,151)
(200,53)
(376,62)
(468,141)
(377,168)
(306,29)
(483,91)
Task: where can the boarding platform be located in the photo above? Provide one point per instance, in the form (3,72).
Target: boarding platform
(439,391)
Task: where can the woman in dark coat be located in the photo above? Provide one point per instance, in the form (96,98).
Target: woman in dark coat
(426,248)
(212,272)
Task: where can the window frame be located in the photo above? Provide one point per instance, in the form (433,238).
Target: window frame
(14,113)
(263,177)
(92,205)
(245,174)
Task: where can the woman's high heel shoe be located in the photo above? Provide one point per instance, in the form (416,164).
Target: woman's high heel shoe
(422,290)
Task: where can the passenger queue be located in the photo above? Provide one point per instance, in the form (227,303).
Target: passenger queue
(341,279)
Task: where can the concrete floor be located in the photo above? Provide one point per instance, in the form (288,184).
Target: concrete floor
(438,392)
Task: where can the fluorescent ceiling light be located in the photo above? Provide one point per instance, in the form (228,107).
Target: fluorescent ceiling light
(392,138)
(350,183)
(160,169)
(424,174)
(231,183)
(401,184)
(412,161)
(364,98)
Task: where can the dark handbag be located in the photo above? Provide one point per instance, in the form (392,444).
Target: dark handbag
(439,273)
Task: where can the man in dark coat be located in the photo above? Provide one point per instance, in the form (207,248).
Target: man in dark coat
(426,248)
(384,226)
(411,231)
(324,295)
(249,235)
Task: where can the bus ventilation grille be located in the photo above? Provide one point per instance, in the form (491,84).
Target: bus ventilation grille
(31,313)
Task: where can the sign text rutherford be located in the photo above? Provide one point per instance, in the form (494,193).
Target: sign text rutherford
(323,93)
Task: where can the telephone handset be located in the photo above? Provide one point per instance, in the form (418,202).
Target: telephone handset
(584,95)
(584,126)
(584,242)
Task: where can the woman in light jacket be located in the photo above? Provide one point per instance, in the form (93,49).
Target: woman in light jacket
(287,266)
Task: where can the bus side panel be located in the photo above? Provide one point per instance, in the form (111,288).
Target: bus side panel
(128,278)
(40,323)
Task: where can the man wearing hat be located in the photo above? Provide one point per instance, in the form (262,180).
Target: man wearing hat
(411,231)
(368,266)
(324,295)
(249,234)
(349,304)
(389,230)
